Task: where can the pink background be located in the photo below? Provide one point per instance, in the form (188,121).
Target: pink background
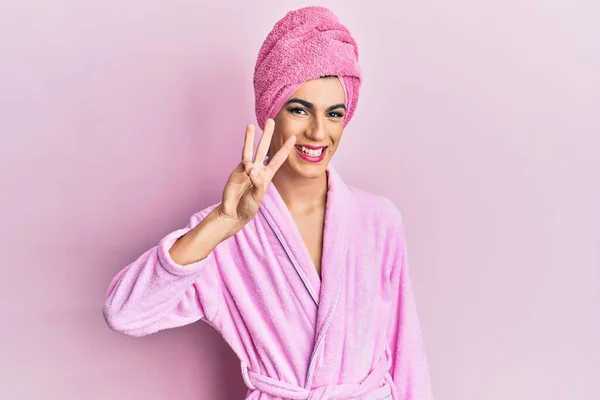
(482,122)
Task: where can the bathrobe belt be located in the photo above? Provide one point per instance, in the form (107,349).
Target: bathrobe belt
(255,381)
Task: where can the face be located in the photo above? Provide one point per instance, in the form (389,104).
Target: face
(315,115)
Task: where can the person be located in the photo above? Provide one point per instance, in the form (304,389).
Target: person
(305,277)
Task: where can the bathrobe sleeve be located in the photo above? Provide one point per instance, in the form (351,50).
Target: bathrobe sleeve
(155,293)
(409,366)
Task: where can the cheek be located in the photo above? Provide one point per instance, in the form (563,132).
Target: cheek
(286,129)
(279,137)
(336,135)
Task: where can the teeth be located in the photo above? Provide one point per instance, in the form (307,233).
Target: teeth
(309,152)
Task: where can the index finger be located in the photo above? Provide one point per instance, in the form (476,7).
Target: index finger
(280,157)
(265,141)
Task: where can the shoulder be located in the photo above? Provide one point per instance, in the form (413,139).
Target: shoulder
(378,209)
(379,225)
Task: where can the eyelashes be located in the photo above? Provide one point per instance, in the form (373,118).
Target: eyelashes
(301,111)
(296,110)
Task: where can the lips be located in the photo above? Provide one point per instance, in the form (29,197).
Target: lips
(313,154)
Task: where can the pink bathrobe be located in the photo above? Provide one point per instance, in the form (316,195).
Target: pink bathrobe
(352,334)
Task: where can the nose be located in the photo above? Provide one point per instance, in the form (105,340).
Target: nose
(317,129)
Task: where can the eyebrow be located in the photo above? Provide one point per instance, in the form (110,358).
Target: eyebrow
(311,106)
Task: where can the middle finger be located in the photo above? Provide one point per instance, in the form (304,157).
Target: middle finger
(265,141)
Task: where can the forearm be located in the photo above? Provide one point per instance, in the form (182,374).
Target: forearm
(200,241)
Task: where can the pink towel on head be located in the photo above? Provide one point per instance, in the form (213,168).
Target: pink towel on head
(305,44)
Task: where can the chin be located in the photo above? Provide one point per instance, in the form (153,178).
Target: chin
(309,171)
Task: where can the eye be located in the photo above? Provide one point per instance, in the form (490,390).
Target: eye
(297,110)
(336,114)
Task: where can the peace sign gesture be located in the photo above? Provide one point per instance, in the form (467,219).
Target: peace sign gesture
(248,182)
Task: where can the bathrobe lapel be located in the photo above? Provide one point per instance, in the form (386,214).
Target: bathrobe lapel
(280,220)
(333,264)
(326,290)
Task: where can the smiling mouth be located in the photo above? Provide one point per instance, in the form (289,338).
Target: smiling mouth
(311,152)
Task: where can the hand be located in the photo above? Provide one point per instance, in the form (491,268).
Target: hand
(248,183)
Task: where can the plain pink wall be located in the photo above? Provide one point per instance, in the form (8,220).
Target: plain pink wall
(482,122)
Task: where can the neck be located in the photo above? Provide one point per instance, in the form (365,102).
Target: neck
(301,194)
